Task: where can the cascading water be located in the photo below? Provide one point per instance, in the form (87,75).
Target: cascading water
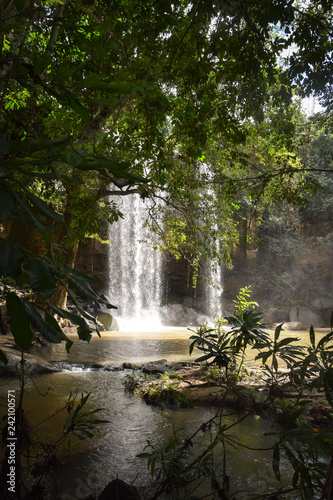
(135,282)
(213,291)
(213,288)
(135,274)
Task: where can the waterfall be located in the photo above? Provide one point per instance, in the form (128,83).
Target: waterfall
(135,283)
(213,288)
(213,291)
(135,269)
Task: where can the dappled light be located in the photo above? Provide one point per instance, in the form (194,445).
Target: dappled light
(166,246)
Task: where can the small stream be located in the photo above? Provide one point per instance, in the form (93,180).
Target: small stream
(131,421)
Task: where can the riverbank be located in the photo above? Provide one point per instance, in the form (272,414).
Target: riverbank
(201,385)
(189,384)
(35,364)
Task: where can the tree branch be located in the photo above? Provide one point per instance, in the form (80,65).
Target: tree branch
(119,193)
(87,11)
(53,36)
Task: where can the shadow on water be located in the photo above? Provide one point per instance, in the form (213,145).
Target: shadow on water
(131,421)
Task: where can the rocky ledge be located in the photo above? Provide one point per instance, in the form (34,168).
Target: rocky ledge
(196,384)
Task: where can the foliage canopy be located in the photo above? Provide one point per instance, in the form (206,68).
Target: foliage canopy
(190,102)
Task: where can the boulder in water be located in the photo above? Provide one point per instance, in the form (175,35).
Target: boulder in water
(159,366)
(306,316)
(323,303)
(109,323)
(119,490)
(35,364)
(293,326)
(273,315)
(179,315)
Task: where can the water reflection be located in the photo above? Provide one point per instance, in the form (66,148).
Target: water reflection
(131,421)
(119,347)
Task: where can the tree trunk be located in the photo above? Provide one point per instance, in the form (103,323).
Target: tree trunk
(59,298)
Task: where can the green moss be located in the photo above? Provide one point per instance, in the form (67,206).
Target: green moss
(161,391)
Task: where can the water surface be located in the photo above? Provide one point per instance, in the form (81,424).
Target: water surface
(113,452)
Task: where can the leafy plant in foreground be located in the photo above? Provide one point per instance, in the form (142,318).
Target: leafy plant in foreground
(306,447)
(279,350)
(41,459)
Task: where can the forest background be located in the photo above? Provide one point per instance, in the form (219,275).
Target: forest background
(197,105)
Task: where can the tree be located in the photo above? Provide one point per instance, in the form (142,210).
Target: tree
(155,84)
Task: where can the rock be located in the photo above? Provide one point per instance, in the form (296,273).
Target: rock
(273,315)
(40,341)
(179,315)
(323,303)
(324,306)
(34,365)
(108,321)
(115,326)
(159,366)
(306,316)
(127,366)
(293,326)
(119,490)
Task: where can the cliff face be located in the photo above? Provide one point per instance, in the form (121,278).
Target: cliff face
(287,272)
(291,276)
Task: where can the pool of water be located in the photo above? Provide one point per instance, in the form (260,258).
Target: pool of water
(131,422)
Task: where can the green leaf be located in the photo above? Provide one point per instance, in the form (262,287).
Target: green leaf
(276,462)
(40,226)
(3,357)
(278,331)
(285,341)
(43,207)
(19,321)
(324,340)
(30,146)
(85,276)
(19,4)
(192,345)
(204,358)
(312,337)
(60,98)
(4,144)
(114,88)
(81,287)
(7,203)
(275,364)
(49,329)
(102,164)
(50,320)
(84,331)
(264,356)
(2,327)
(295,478)
(40,277)
(290,424)
(10,260)
(105,102)
(76,106)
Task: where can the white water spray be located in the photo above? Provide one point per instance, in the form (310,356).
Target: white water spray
(213,292)
(135,274)
(213,285)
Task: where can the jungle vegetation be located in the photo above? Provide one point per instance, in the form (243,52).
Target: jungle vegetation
(196,104)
